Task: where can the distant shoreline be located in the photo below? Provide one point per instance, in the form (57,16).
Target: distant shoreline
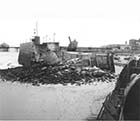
(9,49)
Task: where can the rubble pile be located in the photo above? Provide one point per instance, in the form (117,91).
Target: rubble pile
(62,73)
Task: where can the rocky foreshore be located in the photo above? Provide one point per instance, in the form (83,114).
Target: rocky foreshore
(64,73)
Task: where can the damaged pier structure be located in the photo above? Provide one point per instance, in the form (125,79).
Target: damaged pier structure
(48,63)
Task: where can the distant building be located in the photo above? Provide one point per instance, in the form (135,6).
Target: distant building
(135,44)
(4,45)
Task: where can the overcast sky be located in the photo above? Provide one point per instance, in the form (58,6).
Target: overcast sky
(90,22)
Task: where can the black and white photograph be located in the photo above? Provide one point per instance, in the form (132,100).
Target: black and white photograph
(70,60)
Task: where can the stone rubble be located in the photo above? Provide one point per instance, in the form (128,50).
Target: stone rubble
(63,73)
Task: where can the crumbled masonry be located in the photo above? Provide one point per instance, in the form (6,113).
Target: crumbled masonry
(64,73)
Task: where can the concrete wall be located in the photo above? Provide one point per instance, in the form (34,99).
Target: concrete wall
(26,54)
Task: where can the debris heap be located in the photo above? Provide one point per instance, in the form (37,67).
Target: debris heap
(62,73)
